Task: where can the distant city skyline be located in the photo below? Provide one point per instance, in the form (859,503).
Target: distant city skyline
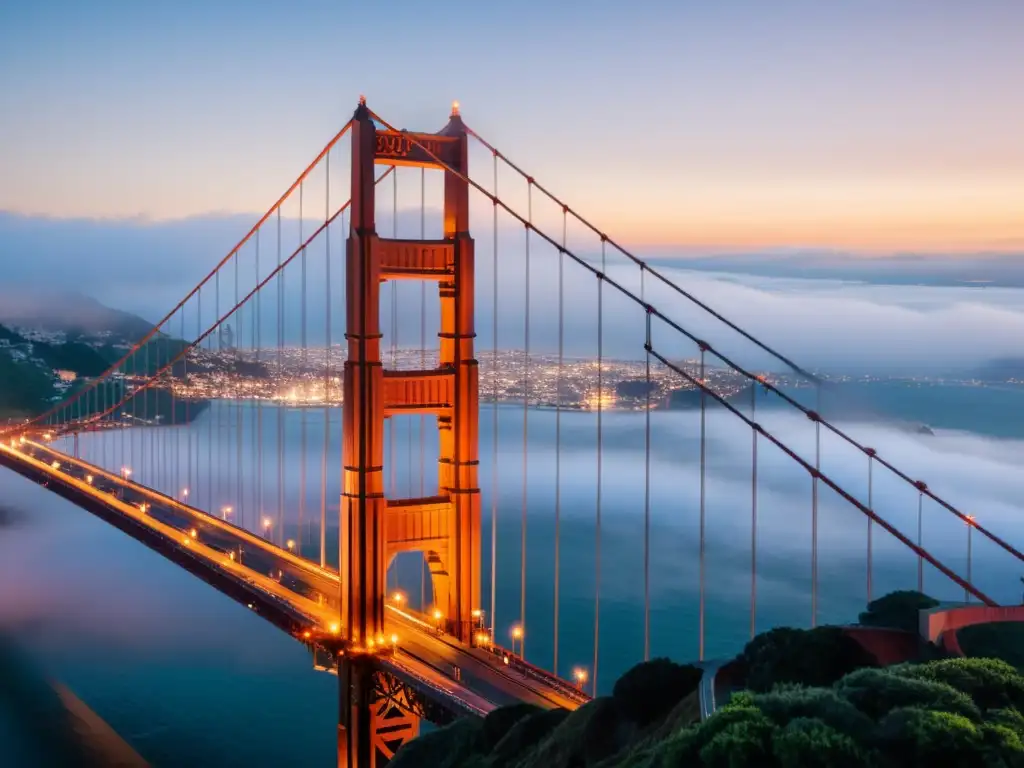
(867,127)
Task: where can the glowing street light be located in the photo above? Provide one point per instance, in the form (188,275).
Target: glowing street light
(517,635)
(193,533)
(126,472)
(334,628)
(579,674)
(398,598)
(184,494)
(225,511)
(88,479)
(55,465)
(290,544)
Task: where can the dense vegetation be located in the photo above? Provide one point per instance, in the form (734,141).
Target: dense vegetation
(1002,640)
(897,610)
(812,698)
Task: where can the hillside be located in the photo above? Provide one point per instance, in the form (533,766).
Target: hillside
(70,314)
(797,698)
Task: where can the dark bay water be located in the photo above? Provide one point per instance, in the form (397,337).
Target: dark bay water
(188,677)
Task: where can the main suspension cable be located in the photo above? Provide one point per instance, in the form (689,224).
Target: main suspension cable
(680,329)
(809,468)
(494,416)
(102,378)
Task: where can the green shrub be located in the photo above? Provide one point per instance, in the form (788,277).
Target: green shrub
(809,657)
(650,690)
(991,683)
(786,703)
(897,610)
(912,736)
(877,692)
(809,743)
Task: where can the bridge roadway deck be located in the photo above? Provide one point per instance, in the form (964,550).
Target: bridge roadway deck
(294,593)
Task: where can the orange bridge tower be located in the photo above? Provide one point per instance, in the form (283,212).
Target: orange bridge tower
(445,526)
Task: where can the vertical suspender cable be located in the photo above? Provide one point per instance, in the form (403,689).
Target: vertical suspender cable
(215,403)
(258,343)
(145,410)
(423,365)
(753,512)
(526,419)
(393,330)
(814,510)
(198,447)
(920,531)
(647,472)
(235,338)
(970,525)
(494,409)
(558,425)
(280,377)
(187,424)
(327,371)
(600,455)
(394,346)
(703,494)
(871,462)
(299,535)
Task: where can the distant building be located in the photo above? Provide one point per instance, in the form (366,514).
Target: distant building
(65,376)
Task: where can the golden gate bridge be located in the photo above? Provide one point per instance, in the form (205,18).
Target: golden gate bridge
(210,502)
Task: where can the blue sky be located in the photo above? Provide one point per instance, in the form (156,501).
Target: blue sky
(870,125)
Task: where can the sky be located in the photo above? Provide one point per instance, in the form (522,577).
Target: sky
(871,127)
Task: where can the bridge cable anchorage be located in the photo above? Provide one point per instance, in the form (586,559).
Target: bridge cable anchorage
(809,468)
(115,367)
(327,367)
(494,416)
(753,513)
(640,262)
(647,473)
(703,499)
(680,329)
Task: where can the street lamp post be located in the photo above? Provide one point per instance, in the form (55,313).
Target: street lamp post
(517,634)
(580,676)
